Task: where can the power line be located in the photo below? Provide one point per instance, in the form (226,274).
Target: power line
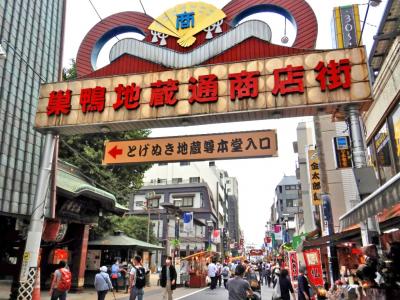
(142,7)
(94,8)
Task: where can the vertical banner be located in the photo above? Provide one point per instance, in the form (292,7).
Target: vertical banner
(216,236)
(187,222)
(315,180)
(293,265)
(278,234)
(342,152)
(347,26)
(312,258)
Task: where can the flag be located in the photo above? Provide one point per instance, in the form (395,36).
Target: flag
(216,236)
(187,221)
(278,232)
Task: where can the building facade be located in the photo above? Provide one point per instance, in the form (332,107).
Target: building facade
(232,193)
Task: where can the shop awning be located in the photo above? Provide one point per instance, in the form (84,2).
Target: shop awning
(122,240)
(384,197)
(333,239)
(75,185)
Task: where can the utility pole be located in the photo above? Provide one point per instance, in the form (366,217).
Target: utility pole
(32,246)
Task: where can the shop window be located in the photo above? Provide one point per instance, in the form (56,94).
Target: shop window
(383,156)
(394,123)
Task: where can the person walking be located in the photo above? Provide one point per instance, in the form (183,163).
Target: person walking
(225,274)
(303,285)
(268,275)
(168,278)
(212,273)
(102,283)
(61,282)
(219,274)
(115,274)
(137,280)
(285,285)
(238,288)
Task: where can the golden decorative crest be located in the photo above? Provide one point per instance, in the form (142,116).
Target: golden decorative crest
(185,20)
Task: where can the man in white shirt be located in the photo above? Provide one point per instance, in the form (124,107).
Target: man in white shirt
(212,273)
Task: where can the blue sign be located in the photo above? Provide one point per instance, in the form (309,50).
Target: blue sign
(185,20)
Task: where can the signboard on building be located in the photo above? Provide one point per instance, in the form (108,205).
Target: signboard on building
(258,89)
(347,26)
(315,180)
(312,258)
(193,148)
(342,152)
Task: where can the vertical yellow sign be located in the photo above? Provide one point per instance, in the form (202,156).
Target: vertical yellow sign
(315,179)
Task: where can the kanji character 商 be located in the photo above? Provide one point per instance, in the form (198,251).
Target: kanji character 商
(204,90)
(93,99)
(236,145)
(333,72)
(292,83)
(128,96)
(182,148)
(244,85)
(185,20)
(195,147)
(163,92)
(222,146)
(209,146)
(59,103)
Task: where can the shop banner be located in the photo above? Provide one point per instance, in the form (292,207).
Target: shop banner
(278,232)
(293,265)
(312,258)
(216,236)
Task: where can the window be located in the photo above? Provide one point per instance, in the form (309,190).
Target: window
(185,163)
(211,164)
(289,203)
(290,187)
(228,190)
(383,156)
(161,180)
(184,201)
(139,203)
(228,181)
(394,124)
(163,164)
(154,203)
(194,179)
(176,180)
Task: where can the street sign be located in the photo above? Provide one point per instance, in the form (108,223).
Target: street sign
(247,144)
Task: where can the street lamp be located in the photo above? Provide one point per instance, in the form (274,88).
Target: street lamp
(176,210)
(149,196)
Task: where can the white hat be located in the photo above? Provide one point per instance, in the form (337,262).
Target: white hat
(103,269)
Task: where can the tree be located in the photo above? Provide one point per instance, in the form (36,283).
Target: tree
(86,152)
(133,226)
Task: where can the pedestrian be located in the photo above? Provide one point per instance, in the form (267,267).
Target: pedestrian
(303,285)
(225,274)
(219,274)
(261,272)
(268,275)
(285,285)
(115,274)
(137,280)
(212,273)
(61,282)
(238,288)
(102,283)
(168,278)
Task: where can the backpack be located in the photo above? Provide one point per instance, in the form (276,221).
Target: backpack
(140,278)
(65,281)
(276,294)
(225,272)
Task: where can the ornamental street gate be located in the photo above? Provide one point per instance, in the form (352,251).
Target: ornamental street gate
(198,65)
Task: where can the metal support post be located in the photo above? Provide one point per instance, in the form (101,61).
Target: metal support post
(360,161)
(32,246)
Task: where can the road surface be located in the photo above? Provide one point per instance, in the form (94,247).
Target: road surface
(200,294)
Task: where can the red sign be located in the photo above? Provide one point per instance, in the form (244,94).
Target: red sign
(312,258)
(293,265)
(256,252)
(204,89)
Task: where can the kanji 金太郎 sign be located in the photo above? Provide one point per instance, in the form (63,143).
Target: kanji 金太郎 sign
(295,86)
(315,176)
(192,148)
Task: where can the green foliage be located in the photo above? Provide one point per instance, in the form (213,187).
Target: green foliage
(70,73)
(86,152)
(133,226)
